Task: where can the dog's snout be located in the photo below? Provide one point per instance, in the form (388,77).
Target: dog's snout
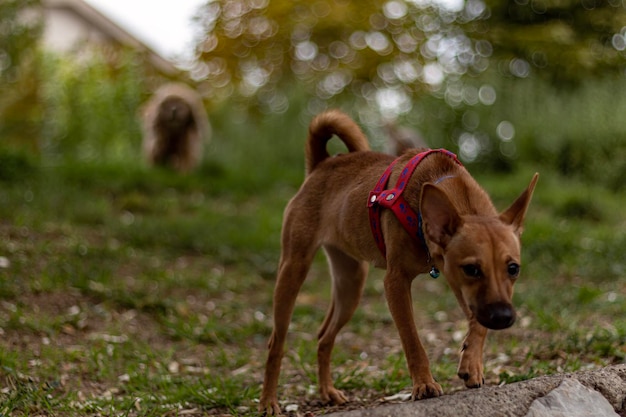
(497,316)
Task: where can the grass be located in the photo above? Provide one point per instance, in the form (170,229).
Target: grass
(133,291)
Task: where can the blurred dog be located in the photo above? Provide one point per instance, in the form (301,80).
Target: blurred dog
(175,127)
(401,138)
(344,207)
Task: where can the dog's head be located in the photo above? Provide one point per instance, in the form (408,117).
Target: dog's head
(480,254)
(175,113)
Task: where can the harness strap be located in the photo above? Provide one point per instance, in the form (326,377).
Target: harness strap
(380,198)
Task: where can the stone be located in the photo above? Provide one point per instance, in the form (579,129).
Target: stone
(571,399)
(603,389)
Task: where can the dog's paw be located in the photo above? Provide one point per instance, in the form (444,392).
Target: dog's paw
(334,396)
(471,367)
(269,408)
(471,382)
(472,374)
(426,390)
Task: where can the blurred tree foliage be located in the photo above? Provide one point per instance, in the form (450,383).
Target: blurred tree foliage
(566,40)
(19,79)
(388,53)
(383,53)
(91,109)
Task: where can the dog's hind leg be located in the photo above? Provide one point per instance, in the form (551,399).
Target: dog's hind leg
(348,277)
(297,255)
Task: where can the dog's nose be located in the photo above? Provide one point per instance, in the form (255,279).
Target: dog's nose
(497,316)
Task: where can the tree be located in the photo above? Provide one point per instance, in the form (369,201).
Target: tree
(565,40)
(386,54)
(19,34)
(383,54)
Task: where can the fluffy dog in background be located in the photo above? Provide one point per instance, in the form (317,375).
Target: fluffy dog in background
(175,126)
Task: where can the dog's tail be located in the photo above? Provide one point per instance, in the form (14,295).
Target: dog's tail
(322,129)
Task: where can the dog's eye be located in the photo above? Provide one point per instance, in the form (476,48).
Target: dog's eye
(513,269)
(472,270)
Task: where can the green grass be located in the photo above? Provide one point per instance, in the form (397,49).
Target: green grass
(136,291)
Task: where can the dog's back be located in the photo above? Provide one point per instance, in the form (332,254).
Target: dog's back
(323,196)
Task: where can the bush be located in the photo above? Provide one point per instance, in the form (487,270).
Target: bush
(15,166)
(91,109)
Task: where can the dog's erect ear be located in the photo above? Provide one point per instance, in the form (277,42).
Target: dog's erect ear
(440,218)
(515,214)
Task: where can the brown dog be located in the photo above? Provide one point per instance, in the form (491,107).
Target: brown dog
(175,127)
(463,235)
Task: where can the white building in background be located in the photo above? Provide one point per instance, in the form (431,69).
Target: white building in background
(72,25)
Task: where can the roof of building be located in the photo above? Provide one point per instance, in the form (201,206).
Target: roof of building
(111,30)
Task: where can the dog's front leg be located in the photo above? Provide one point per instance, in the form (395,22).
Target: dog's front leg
(471,363)
(398,293)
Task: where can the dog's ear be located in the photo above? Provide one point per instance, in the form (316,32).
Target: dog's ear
(440,218)
(515,214)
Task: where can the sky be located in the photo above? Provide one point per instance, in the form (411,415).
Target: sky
(165,26)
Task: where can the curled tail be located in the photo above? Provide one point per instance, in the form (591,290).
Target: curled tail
(322,129)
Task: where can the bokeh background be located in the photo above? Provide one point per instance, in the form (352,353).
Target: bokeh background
(499,82)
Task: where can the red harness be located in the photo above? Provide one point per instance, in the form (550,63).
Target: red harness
(380,198)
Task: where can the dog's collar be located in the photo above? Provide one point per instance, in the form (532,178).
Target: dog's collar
(380,198)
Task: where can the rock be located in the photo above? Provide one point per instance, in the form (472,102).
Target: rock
(605,386)
(571,399)
(610,382)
